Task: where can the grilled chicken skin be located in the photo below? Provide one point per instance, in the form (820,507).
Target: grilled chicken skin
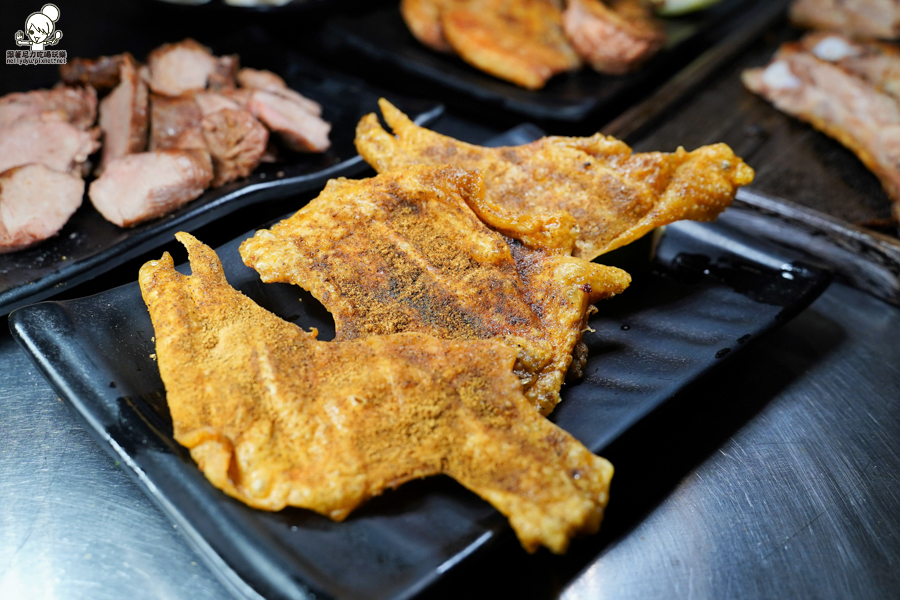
(276,418)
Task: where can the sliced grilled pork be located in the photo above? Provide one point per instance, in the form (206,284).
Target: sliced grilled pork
(614,36)
(236,142)
(175,123)
(837,103)
(876,63)
(100,73)
(211,102)
(78,106)
(123,115)
(270,82)
(179,68)
(139,187)
(297,128)
(240,96)
(35,203)
(856,18)
(56,144)
(225,75)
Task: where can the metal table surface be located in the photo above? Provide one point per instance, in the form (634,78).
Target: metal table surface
(776,476)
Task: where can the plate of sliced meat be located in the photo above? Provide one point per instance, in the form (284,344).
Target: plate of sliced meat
(100,168)
(531,57)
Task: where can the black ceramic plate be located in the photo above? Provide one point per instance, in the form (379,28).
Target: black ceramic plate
(707,293)
(89,245)
(382,36)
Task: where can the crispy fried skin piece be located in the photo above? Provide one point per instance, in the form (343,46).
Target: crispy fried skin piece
(274,417)
(404,252)
(423,17)
(521,41)
(614,36)
(614,195)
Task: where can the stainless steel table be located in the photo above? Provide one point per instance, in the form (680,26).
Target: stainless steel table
(775,477)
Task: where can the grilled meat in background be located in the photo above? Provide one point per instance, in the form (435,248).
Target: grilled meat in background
(855,18)
(170,129)
(845,89)
(527,42)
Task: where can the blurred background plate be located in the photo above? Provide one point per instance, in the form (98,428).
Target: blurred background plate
(378,40)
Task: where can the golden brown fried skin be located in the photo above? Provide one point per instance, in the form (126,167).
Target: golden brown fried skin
(614,36)
(521,41)
(274,417)
(614,195)
(404,252)
(423,17)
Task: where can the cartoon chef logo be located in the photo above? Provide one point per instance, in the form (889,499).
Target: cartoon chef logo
(40,27)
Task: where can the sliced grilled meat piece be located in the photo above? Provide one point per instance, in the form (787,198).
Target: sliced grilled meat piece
(123,115)
(100,73)
(175,122)
(179,68)
(297,128)
(56,144)
(270,82)
(139,187)
(77,106)
(615,37)
(236,142)
(875,62)
(840,105)
(856,18)
(225,75)
(35,203)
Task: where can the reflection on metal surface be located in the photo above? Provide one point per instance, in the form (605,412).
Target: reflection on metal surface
(802,500)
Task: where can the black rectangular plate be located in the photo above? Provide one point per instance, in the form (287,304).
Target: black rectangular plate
(382,36)
(89,245)
(707,293)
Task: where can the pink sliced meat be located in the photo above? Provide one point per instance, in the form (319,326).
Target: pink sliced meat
(123,115)
(179,68)
(841,105)
(855,18)
(297,128)
(212,102)
(225,75)
(175,122)
(270,82)
(614,36)
(56,144)
(139,187)
(240,96)
(77,106)
(236,142)
(35,203)
(100,73)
